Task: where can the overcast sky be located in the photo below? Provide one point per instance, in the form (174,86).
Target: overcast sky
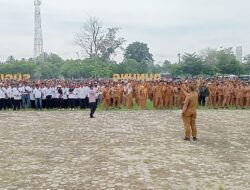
(167,26)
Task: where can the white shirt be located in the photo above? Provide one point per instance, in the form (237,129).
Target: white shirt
(87,90)
(98,91)
(22,89)
(57,94)
(73,95)
(32,96)
(28,89)
(10,92)
(48,91)
(17,94)
(25,89)
(37,92)
(92,96)
(2,93)
(65,93)
(53,92)
(82,92)
(43,92)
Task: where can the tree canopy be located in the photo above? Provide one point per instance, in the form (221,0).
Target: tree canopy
(138,51)
(97,41)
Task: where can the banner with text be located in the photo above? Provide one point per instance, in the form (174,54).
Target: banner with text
(137,77)
(15,76)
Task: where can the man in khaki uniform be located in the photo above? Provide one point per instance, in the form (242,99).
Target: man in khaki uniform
(226,93)
(117,97)
(212,95)
(238,96)
(129,96)
(189,113)
(220,94)
(244,95)
(158,96)
(143,96)
(106,94)
(150,92)
(176,95)
(169,96)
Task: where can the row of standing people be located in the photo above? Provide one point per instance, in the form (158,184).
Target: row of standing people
(170,95)
(213,94)
(38,96)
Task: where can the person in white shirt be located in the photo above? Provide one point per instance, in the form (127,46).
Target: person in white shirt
(25,89)
(97,88)
(48,90)
(65,97)
(72,96)
(87,89)
(38,97)
(21,88)
(10,97)
(43,98)
(59,97)
(17,97)
(82,95)
(54,97)
(2,97)
(32,98)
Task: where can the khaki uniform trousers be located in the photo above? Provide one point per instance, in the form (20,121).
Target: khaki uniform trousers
(169,101)
(189,124)
(106,103)
(129,101)
(117,101)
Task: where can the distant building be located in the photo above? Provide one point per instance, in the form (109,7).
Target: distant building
(239,54)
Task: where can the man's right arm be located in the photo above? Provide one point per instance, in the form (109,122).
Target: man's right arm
(184,91)
(185,106)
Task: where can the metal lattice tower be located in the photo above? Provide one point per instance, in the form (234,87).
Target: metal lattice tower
(38,38)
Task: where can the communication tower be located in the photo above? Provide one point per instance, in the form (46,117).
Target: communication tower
(38,38)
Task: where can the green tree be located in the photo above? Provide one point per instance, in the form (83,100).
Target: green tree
(192,64)
(209,69)
(71,69)
(18,67)
(165,66)
(176,69)
(130,66)
(209,56)
(49,58)
(139,52)
(227,63)
(247,64)
(11,59)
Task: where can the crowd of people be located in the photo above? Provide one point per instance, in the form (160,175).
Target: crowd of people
(66,94)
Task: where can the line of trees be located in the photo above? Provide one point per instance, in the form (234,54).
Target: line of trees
(210,62)
(100,45)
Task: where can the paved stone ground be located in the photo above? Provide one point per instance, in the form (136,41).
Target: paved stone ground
(123,150)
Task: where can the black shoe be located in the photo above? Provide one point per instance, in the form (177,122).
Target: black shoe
(186,139)
(195,139)
(92,117)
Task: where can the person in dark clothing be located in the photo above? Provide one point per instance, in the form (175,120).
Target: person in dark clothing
(92,101)
(203,93)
